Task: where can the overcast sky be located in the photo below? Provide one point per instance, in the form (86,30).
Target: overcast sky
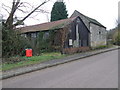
(105,11)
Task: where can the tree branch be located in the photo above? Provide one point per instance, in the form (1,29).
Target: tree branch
(22,10)
(19,22)
(6,10)
(41,10)
(9,21)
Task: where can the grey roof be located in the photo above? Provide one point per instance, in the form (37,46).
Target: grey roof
(87,19)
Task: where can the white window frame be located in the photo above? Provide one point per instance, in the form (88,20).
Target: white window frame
(70,42)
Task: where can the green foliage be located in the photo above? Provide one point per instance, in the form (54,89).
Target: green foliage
(114,34)
(58,11)
(101,47)
(116,39)
(24,61)
(45,44)
(12,43)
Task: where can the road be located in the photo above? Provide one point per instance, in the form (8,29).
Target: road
(99,71)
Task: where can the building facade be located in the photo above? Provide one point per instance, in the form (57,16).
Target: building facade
(98,33)
(70,35)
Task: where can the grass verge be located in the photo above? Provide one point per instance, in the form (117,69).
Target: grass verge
(32,60)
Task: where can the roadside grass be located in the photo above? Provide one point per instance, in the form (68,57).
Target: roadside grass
(32,60)
(103,47)
(26,61)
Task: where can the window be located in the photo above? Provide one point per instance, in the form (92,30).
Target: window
(24,35)
(78,20)
(99,32)
(33,35)
(46,35)
(70,42)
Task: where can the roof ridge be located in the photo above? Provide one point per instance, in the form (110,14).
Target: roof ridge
(50,22)
(90,19)
(83,14)
(47,26)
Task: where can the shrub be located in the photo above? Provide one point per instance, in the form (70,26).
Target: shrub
(116,38)
(101,47)
(11,60)
(12,43)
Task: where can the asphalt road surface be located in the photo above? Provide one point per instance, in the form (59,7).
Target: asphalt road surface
(99,71)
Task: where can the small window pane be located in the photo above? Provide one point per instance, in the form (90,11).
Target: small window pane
(70,41)
(24,35)
(46,35)
(78,20)
(33,35)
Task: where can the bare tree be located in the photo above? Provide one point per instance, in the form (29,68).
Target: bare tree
(16,6)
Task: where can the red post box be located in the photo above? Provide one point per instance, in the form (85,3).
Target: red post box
(28,52)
